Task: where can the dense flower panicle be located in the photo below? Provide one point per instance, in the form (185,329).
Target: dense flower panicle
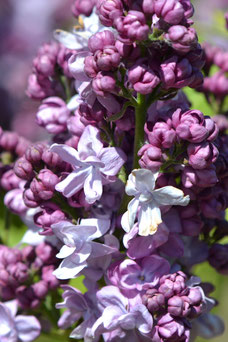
(130,186)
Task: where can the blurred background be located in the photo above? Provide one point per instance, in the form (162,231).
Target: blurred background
(25,25)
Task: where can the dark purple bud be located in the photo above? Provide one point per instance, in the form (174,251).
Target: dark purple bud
(143,79)
(9,255)
(213,202)
(175,306)
(40,289)
(29,199)
(52,159)
(53,115)
(212,128)
(9,141)
(107,59)
(83,7)
(18,271)
(91,116)
(26,297)
(43,186)
(78,200)
(173,11)
(50,214)
(23,169)
(101,39)
(103,84)
(153,300)
(75,125)
(179,73)
(46,253)
(183,39)
(45,65)
(217,84)
(203,178)
(10,181)
(151,157)
(132,27)
(190,125)
(162,135)
(190,220)
(202,155)
(108,10)
(91,68)
(34,153)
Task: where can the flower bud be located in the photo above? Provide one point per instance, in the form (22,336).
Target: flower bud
(43,186)
(143,79)
(183,39)
(34,153)
(151,157)
(104,83)
(203,178)
(202,155)
(83,7)
(101,39)
(9,180)
(23,169)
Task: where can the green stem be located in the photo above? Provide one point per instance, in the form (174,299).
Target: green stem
(140,118)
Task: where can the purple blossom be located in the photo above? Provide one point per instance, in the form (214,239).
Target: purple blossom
(109,10)
(132,277)
(183,39)
(53,114)
(119,312)
(14,328)
(202,155)
(93,165)
(79,246)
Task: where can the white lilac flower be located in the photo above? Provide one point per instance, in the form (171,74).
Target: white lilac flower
(79,246)
(93,165)
(147,201)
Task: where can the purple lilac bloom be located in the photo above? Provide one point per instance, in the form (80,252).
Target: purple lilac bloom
(79,246)
(20,327)
(93,165)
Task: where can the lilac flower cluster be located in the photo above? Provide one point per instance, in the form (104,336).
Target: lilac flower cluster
(130,188)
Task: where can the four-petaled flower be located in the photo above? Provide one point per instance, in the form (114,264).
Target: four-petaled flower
(93,165)
(147,201)
(79,246)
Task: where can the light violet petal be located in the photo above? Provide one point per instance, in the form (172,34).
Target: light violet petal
(149,218)
(110,103)
(111,295)
(76,66)
(102,226)
(28,328)
(65,251)
(99,250)
(144,180)
(110,316)
(128,218)
(68,270)
(113,158)
(130,188)
(93,187)
(67,154)
(144,320)
(89,143)
(74,102)
(12,305)
(169,195)
(73,182)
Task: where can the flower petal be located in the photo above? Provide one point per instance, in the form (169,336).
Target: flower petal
(67,154)
(149,218)
(73,182)
(128,218)
(68,269)
(93,187)
(169,195)
(89,143)
(76,66)
(28,328)
(65,251)
(113,159)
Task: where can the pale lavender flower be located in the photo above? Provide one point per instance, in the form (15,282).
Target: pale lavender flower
(17,328)
(93,165)
(78,306)
(119,312)
(147,201)
(79,246)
